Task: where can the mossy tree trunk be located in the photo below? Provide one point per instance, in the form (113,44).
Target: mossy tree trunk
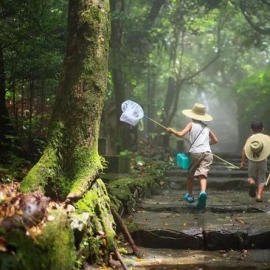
(70,162)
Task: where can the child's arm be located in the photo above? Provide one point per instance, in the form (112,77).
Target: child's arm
(244,158)
(243,162)
(213,138)
(181,133)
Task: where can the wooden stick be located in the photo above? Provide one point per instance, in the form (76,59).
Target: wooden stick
(225,161)
(119,257)
(267,180)
(219,158)
(154,121)
(126,233)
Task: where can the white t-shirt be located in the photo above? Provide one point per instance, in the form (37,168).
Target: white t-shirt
(202,143)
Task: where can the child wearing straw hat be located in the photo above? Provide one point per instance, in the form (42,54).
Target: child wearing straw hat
(201,157)
(256,150)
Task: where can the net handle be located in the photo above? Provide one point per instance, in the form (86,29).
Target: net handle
(267,180)
(154,121)
(225,161)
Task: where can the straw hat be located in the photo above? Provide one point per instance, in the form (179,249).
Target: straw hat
(198,113)
(257,147)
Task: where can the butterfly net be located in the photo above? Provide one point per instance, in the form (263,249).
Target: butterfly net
(132,112)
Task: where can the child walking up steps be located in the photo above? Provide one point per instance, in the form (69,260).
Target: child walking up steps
(201,157)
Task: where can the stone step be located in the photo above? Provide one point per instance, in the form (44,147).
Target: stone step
(213,172)
(231,220)
(187,259)
(229,161)
(178,183)
(215,169)
(232,232)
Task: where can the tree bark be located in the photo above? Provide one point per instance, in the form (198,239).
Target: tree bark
(124,137)
(70,162)
(6,128)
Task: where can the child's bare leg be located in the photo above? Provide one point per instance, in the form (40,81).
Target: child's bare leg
(203,182)
(260,191)
(252,187)
(251,181)
(203,196)
(190,183)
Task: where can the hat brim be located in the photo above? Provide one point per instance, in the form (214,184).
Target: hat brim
(265,139)
(191,114)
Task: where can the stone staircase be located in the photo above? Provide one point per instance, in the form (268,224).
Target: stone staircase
(231,221)
(221,176)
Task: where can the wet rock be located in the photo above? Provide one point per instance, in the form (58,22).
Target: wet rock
(258,238)
(225,239)
(190,239)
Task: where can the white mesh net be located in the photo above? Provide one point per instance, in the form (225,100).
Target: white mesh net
(132,112)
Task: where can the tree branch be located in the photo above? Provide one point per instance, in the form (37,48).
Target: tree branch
(126,233)
(264,31)
(157,4)
(180,81)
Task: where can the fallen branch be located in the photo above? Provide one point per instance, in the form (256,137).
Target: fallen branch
(126,233)
(119,258)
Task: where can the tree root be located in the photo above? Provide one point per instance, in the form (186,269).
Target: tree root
(126,233)
(119,258)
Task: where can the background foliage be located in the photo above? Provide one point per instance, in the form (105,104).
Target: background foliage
(165,55)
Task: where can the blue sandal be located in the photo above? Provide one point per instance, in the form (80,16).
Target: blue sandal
(189,198)
(202,200)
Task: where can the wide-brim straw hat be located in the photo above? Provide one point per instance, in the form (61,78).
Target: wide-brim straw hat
(257,147)
(198,113)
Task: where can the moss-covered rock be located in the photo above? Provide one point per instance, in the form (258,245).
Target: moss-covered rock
(54,249)
(125,192)
(68,236)
(74,233)
(99,231)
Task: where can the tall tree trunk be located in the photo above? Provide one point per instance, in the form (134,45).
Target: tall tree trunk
(6,127)
(119,136)
(70,162)
(125,137)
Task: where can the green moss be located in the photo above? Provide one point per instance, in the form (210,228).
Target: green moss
(132,227)
(97,203)
(145,183)
(47,177)
(126,191)
(24,248)
(38,176)
(87,203)
(53,250)
(82,177)
(57,241)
